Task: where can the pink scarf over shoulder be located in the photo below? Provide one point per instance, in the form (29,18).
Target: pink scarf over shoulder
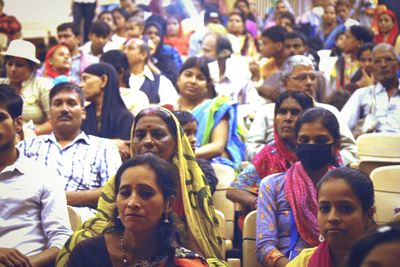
(302,196)
(321,257)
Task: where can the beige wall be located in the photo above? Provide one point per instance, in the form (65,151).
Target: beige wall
(38,16)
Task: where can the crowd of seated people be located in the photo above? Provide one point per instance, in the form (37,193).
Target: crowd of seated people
(124,118)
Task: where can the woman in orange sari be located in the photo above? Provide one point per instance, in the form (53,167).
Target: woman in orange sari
(175,36)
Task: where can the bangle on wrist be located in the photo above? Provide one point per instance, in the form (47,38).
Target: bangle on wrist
(272,257)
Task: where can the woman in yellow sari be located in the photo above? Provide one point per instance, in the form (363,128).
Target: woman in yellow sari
(156,130)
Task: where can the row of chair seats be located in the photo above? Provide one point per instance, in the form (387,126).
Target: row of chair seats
(379,155)
(387,192)
(225,175)
(376,150)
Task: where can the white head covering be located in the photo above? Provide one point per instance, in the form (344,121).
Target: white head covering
(22,49)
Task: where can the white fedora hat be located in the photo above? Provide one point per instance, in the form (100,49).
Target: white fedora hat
(23,49)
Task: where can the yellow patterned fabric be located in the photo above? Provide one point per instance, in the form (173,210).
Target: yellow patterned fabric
(196,197)
(303,259)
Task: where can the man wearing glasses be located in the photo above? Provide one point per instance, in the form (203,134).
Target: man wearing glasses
(295,43)
(297,73)
(380,103)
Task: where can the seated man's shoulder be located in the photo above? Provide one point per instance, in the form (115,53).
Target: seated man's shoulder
(96,140)
(364,90)
(103,144)
(265,110)
(32,167)
(329,107)
(33,140)
(267,107)
(92,59)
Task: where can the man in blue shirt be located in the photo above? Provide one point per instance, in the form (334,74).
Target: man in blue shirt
(84,161)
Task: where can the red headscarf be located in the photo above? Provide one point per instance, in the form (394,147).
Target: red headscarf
(49,71)
(180,42)
(274,158)
(391,39)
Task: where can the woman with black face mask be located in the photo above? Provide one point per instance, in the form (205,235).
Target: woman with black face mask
(287,202)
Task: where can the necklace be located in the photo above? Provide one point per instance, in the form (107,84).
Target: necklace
(151,262)
(124,258)
(186,109)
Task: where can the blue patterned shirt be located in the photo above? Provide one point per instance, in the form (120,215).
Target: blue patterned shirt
(86,163)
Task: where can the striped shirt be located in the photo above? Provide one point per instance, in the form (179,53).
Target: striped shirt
(86,163)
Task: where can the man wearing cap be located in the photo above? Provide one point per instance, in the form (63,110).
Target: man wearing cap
(297,73)
(21,64)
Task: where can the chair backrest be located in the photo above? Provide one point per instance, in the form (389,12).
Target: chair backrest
(387,192)
(225,175)
(249,241)
(378,149)
(74,218)
(221,221)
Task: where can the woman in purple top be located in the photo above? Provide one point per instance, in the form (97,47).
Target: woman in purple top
(287,202)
